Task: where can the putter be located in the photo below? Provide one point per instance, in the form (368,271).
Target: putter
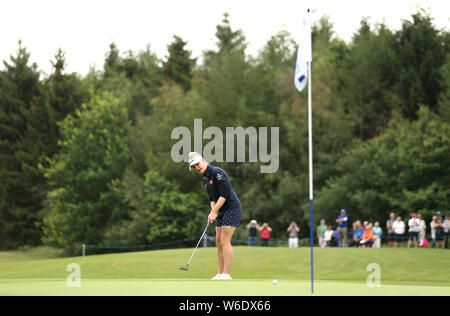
(187,266)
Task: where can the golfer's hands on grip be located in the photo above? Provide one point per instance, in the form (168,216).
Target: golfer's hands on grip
(212,217)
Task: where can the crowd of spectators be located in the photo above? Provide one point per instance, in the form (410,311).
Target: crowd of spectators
(265,234)
(264,230)
(397,232)
(365,234)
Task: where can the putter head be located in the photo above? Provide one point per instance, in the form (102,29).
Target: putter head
(184,268)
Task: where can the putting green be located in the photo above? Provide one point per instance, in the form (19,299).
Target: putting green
(337,272)
(193,287)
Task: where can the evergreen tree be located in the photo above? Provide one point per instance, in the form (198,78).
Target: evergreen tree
(223,77)
(179,64)
(61,95)
(112,61)
(421,50)
(444,98)
(367,76)
(19,86)
(229,40)
(150,72)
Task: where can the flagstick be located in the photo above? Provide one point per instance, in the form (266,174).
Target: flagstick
(311,195)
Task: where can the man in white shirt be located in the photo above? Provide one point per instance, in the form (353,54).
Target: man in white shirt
(399,230)
(414,228)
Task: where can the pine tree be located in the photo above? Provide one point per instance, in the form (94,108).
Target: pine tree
(19,86)
(112,61)
(179,63)
(61,95)
(229,40)
(421,49)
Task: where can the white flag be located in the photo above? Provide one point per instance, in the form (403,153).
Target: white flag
(304,55)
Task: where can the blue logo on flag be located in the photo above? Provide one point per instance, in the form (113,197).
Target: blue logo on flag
(302,77)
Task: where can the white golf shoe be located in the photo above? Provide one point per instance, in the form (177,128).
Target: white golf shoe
(225,276)
(216,277)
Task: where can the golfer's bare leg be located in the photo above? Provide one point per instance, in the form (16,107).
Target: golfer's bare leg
(227,233)
(219,248)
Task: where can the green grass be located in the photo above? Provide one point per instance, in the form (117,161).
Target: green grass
(337,271)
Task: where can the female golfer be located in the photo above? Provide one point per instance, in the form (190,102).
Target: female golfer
(226,210)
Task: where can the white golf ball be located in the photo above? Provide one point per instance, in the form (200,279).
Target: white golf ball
(275,282)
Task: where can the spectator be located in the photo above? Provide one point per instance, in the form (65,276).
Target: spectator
(253,233)
(293,230)
(446,230)
(390,231)
(399,231)
(366,223)
(422,229)
(321,229)
(334,239)
(414,229)
(265,234)
(328,236)
(368,237)
(342,222)
(357,235)
(351,234)
(439,227)
(433,232)
(378,232)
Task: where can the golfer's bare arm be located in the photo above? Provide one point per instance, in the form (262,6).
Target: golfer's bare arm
(216,206)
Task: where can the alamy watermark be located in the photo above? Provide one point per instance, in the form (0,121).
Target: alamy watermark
(218,151)
(374,278)
(74,279)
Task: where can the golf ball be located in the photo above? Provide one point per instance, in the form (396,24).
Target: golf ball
(275,282)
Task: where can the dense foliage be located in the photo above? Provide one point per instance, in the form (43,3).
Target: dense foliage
(88,159)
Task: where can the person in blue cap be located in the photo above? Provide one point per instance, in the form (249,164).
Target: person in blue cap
(342,221)
(226,210)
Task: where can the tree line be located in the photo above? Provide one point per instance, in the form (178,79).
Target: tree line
(86,159)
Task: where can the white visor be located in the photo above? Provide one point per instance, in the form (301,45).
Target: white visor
(193,161)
